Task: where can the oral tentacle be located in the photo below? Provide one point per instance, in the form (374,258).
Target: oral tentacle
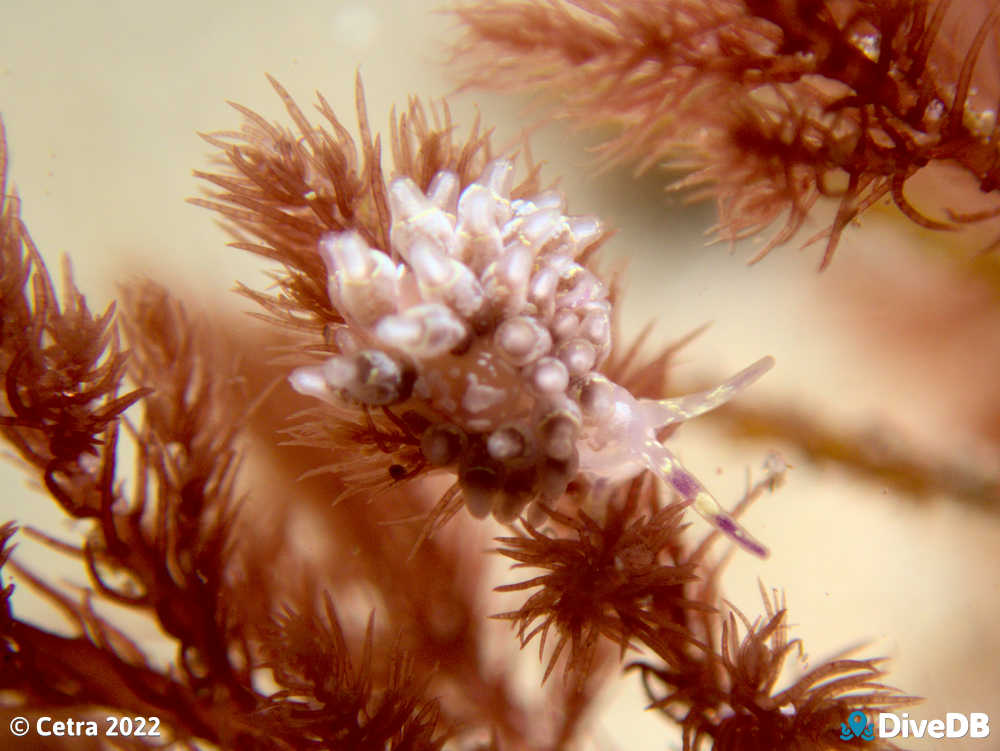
(662,462)
(663,412)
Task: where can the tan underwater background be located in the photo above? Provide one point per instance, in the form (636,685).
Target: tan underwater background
(102,103)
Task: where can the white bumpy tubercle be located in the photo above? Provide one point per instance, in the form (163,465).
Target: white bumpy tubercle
(423,331)
(363,282)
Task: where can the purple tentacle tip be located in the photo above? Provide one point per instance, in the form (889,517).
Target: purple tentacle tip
(729,526)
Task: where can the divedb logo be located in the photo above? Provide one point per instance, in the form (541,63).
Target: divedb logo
(954,725)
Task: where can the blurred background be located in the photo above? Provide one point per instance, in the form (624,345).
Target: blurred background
(896,347)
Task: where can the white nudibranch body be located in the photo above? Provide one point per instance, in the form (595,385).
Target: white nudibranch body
(482,326)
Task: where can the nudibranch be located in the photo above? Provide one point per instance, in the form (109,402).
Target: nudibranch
(482,319)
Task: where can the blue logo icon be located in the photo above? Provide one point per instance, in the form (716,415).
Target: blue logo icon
(859,727)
